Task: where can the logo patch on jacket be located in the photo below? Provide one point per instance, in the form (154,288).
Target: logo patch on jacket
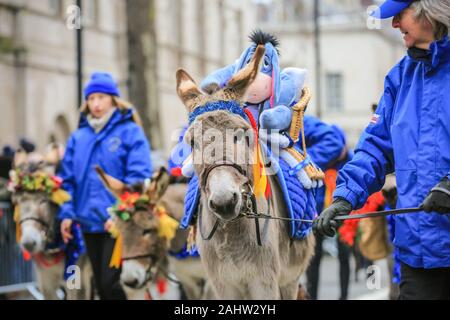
(114,144)
(375,118)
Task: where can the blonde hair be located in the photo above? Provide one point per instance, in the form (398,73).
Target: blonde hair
(123,107)
(437,12)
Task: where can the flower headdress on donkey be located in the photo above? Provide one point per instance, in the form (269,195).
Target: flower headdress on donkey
(130,199)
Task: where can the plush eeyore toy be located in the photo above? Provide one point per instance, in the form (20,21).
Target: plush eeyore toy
(270,97)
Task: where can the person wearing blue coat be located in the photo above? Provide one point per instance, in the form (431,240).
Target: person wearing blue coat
(109,135)
(326,145)
(409,134)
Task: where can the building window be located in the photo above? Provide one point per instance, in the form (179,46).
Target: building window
(89,12)
(262,13)
(293,10)
(334,91)
(55,7)
(265,11)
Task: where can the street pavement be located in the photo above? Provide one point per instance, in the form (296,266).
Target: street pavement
(359,289)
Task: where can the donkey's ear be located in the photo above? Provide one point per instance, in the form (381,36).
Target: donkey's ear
(115,186)
(52,157)
(237,86)
(20,157)
(158,184)
(187,89)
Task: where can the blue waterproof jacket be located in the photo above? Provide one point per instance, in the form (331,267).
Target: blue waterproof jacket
(120,149)
(324,142)
(409,134)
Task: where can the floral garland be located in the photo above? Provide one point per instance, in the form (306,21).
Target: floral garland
(127,204)
(38,181)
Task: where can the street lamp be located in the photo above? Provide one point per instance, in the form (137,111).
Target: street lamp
(79,56)
(318,68)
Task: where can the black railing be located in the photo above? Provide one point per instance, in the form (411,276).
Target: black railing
(14,270)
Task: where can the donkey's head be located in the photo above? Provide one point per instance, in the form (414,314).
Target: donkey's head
(222,140)
(139,222)
(32,182)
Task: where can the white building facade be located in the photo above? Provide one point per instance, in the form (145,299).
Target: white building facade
(354,57)
(38,83)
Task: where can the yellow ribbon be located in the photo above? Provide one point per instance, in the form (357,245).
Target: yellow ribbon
(167,225)
(116,257)
(259,174)
(60,196)
(16,220)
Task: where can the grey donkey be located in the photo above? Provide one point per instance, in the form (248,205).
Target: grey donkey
(236,266)
(36,216)
(146,254)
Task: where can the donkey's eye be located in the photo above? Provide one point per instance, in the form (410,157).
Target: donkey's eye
(247,140)
(148,232)
(266,62)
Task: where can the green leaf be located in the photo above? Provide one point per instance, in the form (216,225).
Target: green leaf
(125,216)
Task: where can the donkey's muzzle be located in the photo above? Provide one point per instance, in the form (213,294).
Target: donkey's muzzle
(225,207)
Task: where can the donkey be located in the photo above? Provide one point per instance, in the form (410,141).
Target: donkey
(145,253)
(236,266)
(36,223)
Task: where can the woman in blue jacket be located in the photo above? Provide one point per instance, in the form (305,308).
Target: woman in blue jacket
(409,134)
(109,135)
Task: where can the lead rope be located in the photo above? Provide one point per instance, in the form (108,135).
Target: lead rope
(344,217)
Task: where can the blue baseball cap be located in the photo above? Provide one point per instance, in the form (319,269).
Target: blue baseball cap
(391,8)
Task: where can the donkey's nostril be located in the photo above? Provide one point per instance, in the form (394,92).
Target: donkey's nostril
(212,205)
(29,245)
(235,198)
(132,283)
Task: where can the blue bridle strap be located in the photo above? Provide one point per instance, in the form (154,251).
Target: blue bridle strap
(300,166)
(230,106)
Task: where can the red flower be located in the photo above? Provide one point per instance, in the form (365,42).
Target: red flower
(58,180)
(124,196)
(129,198)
